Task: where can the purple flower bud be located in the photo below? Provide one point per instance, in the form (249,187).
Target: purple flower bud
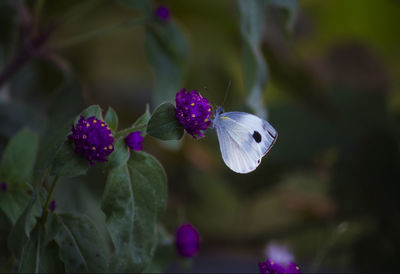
(53,205)
(272,267)
(4,186)
(187,240)
(134,140)
(192,112)
(93,139)
(163,13)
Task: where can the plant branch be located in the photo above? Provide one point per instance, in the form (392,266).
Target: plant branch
(28,51)
(48,200)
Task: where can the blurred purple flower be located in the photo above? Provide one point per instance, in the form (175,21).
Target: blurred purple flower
(192,112)
(163,13)
(280,260)
(272,267)
(4,186)
(279,253)
(53,205)
(93,139)
(187,240)
(134,140)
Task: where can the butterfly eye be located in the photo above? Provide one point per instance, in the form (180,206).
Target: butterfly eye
(257,136)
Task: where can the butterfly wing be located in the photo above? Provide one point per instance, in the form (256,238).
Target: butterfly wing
(244,139)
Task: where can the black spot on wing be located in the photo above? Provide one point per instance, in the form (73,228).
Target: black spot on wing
(257,136)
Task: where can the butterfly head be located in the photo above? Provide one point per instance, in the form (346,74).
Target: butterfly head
(219,111)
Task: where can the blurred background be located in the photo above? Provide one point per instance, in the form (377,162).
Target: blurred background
(328,189)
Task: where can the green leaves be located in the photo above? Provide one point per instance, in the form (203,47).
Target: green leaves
(68,164)
(133,200)
(163,125)
(112,119)
(19,157)
(16,169)
(21,231)
(142,122)
(81,248)
(252,15)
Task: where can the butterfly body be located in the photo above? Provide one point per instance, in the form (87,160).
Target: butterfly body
(244,139)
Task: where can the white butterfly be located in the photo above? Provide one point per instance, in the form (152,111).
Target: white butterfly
(243,138)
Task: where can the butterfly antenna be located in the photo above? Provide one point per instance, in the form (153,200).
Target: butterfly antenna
(227,92)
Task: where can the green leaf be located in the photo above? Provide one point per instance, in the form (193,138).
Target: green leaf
(81,248)
(68,164)
(119,156)
(19,157)
(165,253)
(163,125)
(133,201)
(94,110)
(252,16)
(112,119)
(13,203)
(22,229)
(30,258)
(40,257)
(142,5)
(118,205)
(167,50)
(141,122)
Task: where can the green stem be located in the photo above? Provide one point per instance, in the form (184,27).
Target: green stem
(53,186)
(95,33)
(48,200)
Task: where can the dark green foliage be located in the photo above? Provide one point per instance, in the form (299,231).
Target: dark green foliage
(133,200)
(163,125)
(111,119)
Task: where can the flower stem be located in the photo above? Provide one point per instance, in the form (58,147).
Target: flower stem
(98,32)
(48,200)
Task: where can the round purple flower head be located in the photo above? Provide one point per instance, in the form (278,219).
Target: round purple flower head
(53,205)
(163,13)
(4,186)
(187,240)
(134,140)
(273,267)
(192,112)
(93,139)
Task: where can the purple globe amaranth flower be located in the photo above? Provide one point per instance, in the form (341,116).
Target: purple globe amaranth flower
(93,139)
(273,267)
(53,205)
(187,240)
(163,13)
(192,112)
(134,140)
(4,186)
